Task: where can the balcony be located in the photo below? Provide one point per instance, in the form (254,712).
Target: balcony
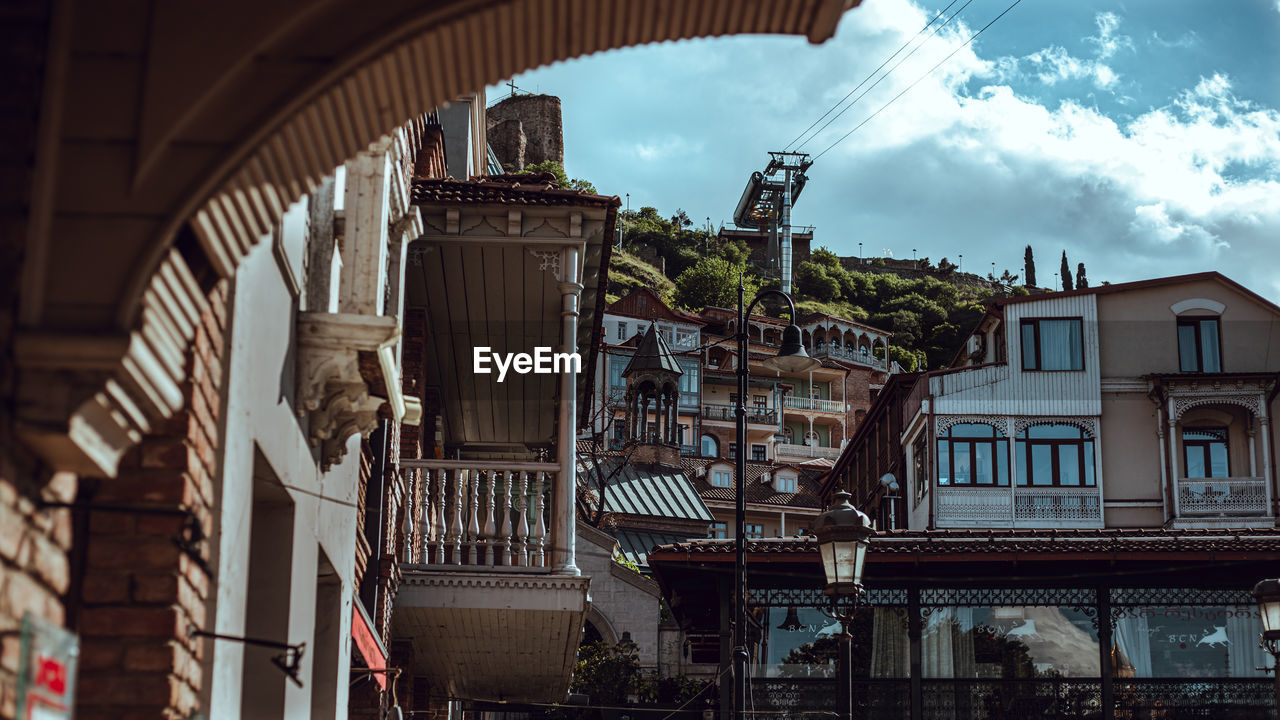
(1018,507)
(847,355)
(814,405)
(783,450)
(719,412)
(1225,499)
(478,582)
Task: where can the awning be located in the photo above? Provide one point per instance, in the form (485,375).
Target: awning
(368,643)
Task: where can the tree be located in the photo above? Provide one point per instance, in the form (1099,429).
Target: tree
(1081,280)
(561,180)
(1029,267)
(946,267)
(813,280)
(713,282)
(1066,272)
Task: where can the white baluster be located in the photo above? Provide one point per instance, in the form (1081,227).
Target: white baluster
(473,520)
(489,552)
(539,523)
(437,520)
(505,508)
(522,546)
(455,518)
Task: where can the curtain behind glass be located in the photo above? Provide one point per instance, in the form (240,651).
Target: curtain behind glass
(1209,346)
(890,644)
(1134,638)
(1061,345)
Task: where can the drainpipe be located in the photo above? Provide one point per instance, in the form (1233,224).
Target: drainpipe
(563,560)
(932,455)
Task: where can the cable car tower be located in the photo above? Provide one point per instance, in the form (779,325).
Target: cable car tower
(766,206)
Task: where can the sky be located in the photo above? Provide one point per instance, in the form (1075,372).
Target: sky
(1141,137)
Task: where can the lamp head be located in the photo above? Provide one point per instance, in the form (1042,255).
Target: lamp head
(792,357)
(1267,593)
(844,533)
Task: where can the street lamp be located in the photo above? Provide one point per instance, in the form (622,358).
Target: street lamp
(844,532)
(1267,593)
(791,358)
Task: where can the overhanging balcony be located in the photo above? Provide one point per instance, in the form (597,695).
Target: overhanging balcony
(488,617)
(1018,507)
(784,450)
(718,412)
(814,405)
(1225,501)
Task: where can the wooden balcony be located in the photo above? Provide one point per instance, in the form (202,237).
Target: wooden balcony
(814,405)
(723,412)
(784,451)
(1018,507)
(480,597)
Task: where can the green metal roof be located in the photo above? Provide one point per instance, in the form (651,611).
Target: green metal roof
(648,490)
(636,544)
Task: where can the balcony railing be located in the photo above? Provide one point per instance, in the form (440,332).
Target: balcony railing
(856,356)
(1223,497)
(813,404)
(806,451)
(725,413)
(486,514)
(1029,507)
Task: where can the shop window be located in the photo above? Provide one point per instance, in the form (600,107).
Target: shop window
(1053,344)
(1199,345)
(1055,454)
(972,454)
(1188,642)
(1205,452)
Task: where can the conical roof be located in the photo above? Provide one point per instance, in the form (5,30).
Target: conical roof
(652,355)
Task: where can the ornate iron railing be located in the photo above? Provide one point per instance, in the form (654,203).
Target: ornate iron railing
(1023,506)
(1228,497)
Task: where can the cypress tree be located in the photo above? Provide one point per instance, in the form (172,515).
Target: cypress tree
(1028,268)
(1081,280)
(1066,272)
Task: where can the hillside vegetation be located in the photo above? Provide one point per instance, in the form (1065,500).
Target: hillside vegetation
(927,315)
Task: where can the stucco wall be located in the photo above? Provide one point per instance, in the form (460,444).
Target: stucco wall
(621,598)
(1130,459)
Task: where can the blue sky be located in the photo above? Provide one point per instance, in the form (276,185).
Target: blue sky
(1141,137)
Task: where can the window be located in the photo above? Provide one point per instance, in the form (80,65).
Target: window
(710,448)
(758,453)
(761,401)
(616,366)
(1055,454)
(755,531)
(919,465)
(718,530)
(721,478)
(622,331)
(618,429)
(733,450)
(1199,349)
(785,484)
(1053,344)
(689,381)
(1205,452)
(972,454)
(733,398)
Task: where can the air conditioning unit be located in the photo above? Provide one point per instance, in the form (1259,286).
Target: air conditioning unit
(700,472)
(764,477)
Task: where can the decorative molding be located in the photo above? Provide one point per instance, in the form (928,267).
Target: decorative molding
(1088,424)
(1190,304)
(1249,401)
(501,579)
(331,388)
(550,260)
(943,423)
(84,400)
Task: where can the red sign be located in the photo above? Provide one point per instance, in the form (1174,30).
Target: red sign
(46,676)
(367,643)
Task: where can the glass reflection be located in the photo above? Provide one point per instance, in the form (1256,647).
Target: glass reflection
(804,644)
(1008,642)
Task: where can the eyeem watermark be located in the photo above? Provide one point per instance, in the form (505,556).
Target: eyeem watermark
(541,362)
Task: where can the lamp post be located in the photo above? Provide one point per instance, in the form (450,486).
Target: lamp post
(1267,593)
(844,533)
(791,357)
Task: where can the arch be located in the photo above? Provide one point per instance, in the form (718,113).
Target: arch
(597,620)
(1190,304)
(709,446)
(188,162)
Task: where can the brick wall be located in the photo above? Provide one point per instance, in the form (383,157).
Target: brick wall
(145,580)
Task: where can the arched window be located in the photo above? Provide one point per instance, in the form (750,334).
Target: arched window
(972,454)
(710,448)
(1055,454)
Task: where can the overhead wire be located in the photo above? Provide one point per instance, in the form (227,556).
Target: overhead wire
(887,74)
(873,72)
(917,81)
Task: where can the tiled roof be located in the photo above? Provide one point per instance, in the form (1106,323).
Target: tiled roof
(647,490)
(944,542)
(528,189)
(758,493)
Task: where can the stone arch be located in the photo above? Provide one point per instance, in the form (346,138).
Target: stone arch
(601,623)
(186,162)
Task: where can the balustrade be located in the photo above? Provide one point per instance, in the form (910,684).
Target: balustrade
(485,514)
(1029,507)
(1230,497)
(813,404)
(806,451)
